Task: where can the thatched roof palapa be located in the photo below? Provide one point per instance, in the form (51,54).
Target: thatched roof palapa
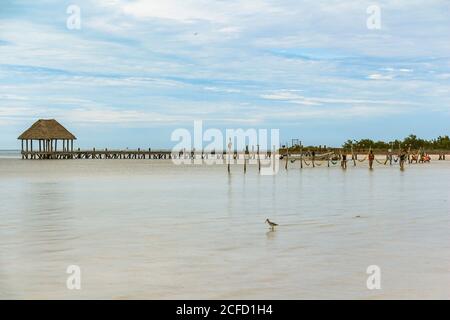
(47,130)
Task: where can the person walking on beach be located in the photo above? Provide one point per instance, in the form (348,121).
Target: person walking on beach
(371,158)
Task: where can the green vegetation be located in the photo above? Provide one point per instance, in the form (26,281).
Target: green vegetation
(440,143)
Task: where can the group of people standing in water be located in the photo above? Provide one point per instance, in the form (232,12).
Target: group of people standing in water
(403,157)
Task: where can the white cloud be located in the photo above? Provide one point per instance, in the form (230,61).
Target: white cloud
(378,76)
(226,90)
(12,97)
(189,10)
(291,97)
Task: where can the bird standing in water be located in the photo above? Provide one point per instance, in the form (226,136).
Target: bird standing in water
(271,224)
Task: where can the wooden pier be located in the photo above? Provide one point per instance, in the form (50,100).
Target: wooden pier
(47,132)
(135,154)
(98,154)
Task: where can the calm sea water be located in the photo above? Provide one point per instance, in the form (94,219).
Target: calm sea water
(149,229)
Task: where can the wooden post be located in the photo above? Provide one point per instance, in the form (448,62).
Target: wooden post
(286,163)
(245,162)
(228,155)
(259,160)
(287,157)
(273,159)
(71,145)
(31,141)
(353,157)
(301,157)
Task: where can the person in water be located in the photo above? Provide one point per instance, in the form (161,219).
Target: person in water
(371,158)
(402,157)
(313,157)
(344,161)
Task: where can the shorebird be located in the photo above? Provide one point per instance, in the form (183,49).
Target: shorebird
(271,224)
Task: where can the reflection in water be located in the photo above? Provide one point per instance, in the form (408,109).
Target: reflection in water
(229,195)
(43,233)
(270,234)
(143,229)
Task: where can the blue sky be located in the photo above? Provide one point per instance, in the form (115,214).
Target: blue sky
(136,70)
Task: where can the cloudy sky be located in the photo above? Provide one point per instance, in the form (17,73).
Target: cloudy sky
(138,69)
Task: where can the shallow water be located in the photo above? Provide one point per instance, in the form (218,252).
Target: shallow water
(149,229)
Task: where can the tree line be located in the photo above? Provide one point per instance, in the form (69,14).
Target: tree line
(411,141)
(440,143)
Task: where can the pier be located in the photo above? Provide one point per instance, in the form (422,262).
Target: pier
(47,133)
(134,154)
(97,154)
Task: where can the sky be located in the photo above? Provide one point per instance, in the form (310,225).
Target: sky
(136,70)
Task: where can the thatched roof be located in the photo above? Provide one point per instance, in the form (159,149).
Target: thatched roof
(46,129)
